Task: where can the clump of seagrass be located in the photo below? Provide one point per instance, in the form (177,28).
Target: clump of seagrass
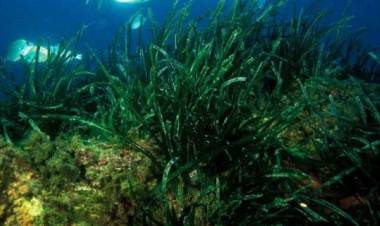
(230,107)
(48,95)
(248,121)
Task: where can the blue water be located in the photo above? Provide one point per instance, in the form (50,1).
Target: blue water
(56,19)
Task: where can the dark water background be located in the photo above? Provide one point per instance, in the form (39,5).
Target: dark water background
(55,19)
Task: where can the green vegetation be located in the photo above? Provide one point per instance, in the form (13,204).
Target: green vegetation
(249,121)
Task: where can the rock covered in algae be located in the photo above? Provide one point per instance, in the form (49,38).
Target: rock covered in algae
(25,209)
(17,205)
(73,181)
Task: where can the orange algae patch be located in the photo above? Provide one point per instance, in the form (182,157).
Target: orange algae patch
(25,209)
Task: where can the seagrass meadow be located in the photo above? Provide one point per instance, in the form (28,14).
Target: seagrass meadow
(251,120)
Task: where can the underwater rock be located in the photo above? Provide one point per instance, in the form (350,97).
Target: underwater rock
(136,21)
(26,210)
(28,51)
(51,196)
(18,206)
(17,49)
